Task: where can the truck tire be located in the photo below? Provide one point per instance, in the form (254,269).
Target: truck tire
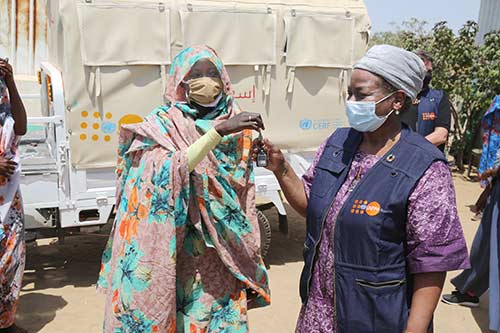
(265,233)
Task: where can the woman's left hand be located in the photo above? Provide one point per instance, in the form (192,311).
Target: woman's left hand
(6,71)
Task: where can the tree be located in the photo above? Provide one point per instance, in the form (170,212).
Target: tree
(412,30)
(467,71)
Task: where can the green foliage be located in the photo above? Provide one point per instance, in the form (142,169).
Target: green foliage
(467,71)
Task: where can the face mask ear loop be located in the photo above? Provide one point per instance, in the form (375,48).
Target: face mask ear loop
(186,94)
(397,112)
(386,97)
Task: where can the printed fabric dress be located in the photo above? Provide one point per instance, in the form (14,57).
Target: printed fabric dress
(12,247)
(184,252)
(491,137)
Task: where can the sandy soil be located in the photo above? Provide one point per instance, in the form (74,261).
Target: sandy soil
(59,296)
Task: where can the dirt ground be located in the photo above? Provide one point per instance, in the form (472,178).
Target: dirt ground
(59,296)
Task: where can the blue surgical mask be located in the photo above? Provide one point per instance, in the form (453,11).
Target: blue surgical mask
(362,116)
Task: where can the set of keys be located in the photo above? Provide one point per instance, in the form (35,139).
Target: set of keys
(261,160)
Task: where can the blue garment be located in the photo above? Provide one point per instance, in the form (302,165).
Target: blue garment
(373,288)
(428,111)
(485,259)
(491,136)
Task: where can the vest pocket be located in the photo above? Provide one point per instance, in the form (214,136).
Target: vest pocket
(327,172)
(378,306)
(380,285)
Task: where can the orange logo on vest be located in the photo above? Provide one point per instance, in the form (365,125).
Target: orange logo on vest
(373,208)
(428,116)
(362,207)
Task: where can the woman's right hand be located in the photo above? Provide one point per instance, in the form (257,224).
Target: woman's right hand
(275,157)
(7,167)
(241,121)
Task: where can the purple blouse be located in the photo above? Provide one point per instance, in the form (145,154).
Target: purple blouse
(435,241)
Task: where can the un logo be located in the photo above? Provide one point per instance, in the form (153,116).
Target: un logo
(306,124)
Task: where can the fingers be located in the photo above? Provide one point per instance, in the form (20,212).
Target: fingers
(5,68)
(7,172)
(252,117)
(5,72)
(268,145)
(259,121)
(8,168)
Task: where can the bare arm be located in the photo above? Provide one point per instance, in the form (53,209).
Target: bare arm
(439,136)
(290,183)
(426,292)
(17,106)
(292,187)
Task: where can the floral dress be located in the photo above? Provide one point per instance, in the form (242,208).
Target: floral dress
(12,247)
(184,252)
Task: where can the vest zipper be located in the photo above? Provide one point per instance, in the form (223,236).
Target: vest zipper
(355,189)
(334,268)
(316,246)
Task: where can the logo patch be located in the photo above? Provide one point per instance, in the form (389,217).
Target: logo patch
(429,116)
(362,207)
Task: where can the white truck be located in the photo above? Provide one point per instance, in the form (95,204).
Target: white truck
(107,66)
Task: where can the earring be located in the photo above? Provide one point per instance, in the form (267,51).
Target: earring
(397,112)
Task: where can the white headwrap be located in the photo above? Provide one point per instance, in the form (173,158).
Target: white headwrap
(402,69)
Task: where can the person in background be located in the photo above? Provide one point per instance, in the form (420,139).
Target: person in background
(490,125)
(12,246)
(184,253)
(485,252)
(430,114)
(379,201)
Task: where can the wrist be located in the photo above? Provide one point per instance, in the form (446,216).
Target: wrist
(9,81)
(219,128)
(282,169)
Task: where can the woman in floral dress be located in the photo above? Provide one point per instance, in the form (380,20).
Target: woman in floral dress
(12,248)
(184,252)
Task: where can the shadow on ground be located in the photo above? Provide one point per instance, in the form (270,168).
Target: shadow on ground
(35,310)
(54,265)
(286,249)
(76,262)
(481,315)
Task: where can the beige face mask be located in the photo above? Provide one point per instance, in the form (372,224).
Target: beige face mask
(204,90)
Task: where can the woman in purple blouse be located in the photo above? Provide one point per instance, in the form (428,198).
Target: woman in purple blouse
(382,223)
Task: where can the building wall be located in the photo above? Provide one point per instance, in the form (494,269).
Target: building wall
(23,34)
(489,17)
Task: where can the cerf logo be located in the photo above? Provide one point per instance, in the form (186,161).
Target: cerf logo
(362,207)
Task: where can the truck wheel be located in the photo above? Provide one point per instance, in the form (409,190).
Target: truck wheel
(265,233)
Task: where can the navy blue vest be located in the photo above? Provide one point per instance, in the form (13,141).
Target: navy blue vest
(428,110)
(372,285)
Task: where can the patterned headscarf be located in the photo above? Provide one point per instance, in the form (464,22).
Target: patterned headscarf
(180,68)
(157,198)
